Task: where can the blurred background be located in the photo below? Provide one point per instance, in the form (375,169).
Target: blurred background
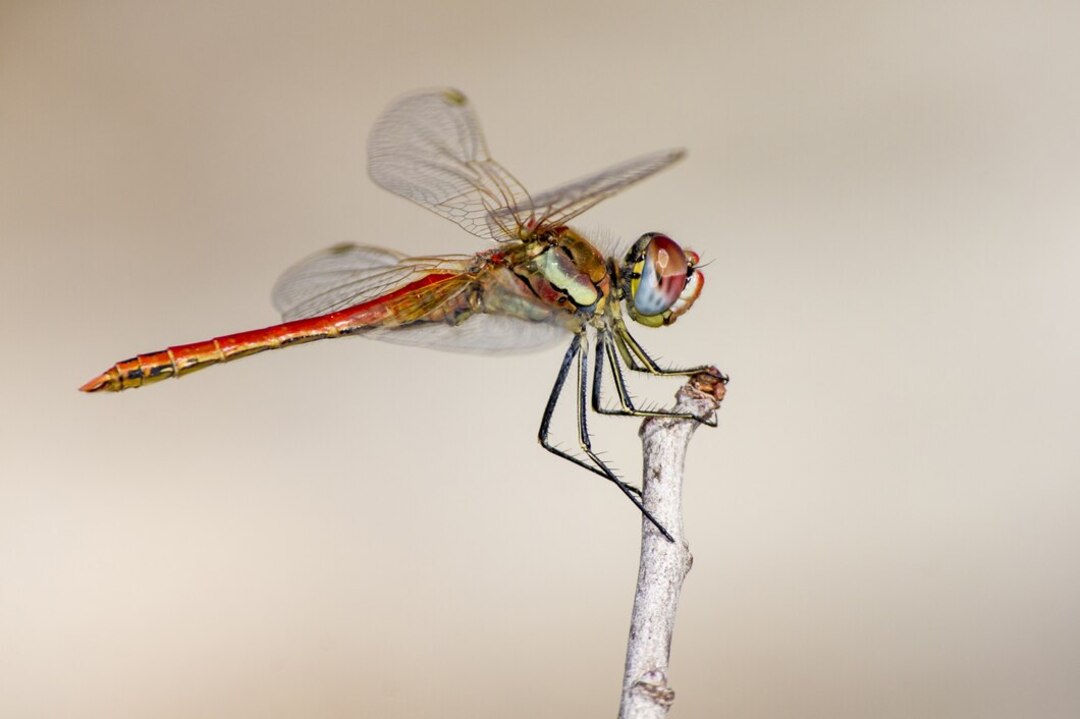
(885,524)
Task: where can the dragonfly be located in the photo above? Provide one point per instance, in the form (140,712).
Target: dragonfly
(538,283)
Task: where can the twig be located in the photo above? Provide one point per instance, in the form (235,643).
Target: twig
(664,564)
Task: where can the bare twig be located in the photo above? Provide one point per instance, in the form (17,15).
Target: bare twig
(664,564)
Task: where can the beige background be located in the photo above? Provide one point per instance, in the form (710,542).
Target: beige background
(886,523)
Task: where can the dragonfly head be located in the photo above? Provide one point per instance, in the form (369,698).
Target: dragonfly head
(662,280)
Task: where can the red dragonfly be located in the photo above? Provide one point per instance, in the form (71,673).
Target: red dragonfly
(540,282)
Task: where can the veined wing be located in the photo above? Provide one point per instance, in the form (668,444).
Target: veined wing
(479,334)
(348,275)
(558,206)
(428,147)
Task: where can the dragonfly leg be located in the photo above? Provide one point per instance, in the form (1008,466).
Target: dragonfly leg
(576,351)
(638,359)
(605,351)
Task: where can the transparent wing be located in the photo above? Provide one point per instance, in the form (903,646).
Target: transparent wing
(557,206)
(428,147)
(479,334)
(347,275)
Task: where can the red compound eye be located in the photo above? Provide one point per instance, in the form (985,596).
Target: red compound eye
(663,274)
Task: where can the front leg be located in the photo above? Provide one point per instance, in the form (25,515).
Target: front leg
(638,359)
(605,351)
(628,348)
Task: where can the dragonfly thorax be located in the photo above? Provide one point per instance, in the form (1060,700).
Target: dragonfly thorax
(568,271)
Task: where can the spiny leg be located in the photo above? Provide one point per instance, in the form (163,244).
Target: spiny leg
(633,353)
(586,444)
(598,467)
(545,423)
(628,348)
(605,350)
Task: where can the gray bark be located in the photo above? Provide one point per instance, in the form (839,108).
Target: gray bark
(664,564)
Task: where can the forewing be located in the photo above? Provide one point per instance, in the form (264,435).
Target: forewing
(428,147)
(557,206)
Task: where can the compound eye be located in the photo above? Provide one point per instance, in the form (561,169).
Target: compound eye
(663,272)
